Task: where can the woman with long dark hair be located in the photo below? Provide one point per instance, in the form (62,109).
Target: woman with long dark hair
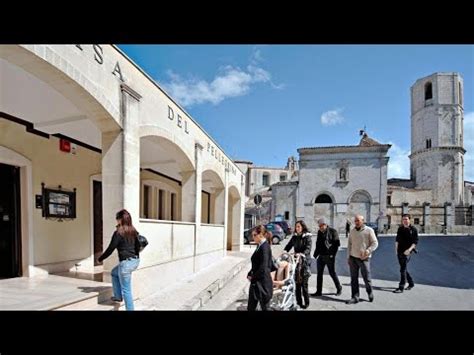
(301,242)
(125,240)
(261,285)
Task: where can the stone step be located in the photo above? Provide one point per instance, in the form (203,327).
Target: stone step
(99,300)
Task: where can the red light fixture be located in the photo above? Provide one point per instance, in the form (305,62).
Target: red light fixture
(64,145)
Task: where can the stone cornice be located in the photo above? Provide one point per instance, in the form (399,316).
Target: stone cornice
(460,149)
(383,148)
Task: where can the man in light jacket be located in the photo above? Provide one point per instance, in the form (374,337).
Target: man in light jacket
(360,246)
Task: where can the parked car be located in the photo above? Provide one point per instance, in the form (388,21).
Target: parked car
(374,226)
(277,232)
(284,224)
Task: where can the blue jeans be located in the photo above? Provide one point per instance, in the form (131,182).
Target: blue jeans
(122,281)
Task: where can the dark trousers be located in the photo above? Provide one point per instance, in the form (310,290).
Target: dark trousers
(404,275)
(322,261)
(302,288)
(364,265)
(254,299)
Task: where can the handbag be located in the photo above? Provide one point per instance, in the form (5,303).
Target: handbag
(142,242)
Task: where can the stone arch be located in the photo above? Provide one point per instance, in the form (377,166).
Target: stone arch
(360,202)
(47,65)
(169,141)
(213,198)
(321,195)
(323,208)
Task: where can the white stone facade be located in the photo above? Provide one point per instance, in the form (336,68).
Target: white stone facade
(131,136)
(437,153)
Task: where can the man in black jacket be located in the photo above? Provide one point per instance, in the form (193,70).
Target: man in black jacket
(405,243)
(327,245)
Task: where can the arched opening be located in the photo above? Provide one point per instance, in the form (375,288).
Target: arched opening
(460,93)
(323,198)
(213,198)
(360,203)
(323,208)
(165,172)
(428,91)
(234,223)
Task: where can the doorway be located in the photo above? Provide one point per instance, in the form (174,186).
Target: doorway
(10,222)
(97,211)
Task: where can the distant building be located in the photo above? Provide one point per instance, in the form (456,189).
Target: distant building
(341,181)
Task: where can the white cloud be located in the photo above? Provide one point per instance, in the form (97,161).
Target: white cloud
(331,118)
(469,146)
(399,163)
(229,82)
(256,55)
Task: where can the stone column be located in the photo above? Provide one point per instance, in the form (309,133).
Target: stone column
(448,217)
(198,199)
(198,183)
(219,205)
(121,170)
(226,209)
(472,215)
(237,232)
(188,196)
(427,217)
(237,246)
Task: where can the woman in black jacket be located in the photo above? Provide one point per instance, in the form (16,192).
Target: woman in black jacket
(301,242)
(125,240)
(261,284)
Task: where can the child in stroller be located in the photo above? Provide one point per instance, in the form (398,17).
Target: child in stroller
(284,282)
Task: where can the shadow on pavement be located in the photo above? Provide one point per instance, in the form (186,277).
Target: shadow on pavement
(445,261)
(327,298)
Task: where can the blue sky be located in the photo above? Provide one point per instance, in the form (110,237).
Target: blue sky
(263,102)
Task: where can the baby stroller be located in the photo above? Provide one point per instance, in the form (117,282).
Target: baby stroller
(284,285)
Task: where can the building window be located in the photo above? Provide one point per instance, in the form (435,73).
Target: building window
(173,206)
(287,215)
(428,91)
(460,94)
(266,179)
(389,200)
(416,221)
(283,177)
(428,143)
(146,201)
(161,204)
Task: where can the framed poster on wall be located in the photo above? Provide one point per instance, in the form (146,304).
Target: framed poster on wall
(59,203)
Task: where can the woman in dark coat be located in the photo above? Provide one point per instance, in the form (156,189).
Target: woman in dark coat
(301,242)
(261,284)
